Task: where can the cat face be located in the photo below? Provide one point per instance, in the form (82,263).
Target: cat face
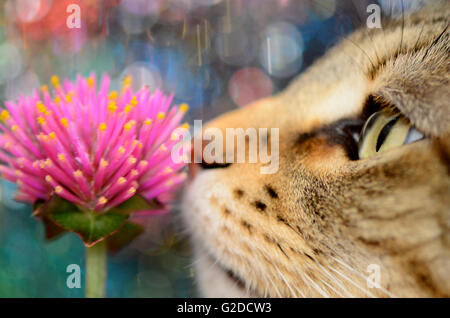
(340,217)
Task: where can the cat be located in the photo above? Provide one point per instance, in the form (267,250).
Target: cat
(360,205)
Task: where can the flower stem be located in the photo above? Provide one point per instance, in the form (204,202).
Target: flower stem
(96,270)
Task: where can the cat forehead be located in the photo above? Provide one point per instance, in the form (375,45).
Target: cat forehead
(405,63)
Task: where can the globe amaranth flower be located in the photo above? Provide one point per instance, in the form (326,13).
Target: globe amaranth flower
(95,148)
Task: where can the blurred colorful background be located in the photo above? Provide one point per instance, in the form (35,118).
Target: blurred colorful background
(215,55)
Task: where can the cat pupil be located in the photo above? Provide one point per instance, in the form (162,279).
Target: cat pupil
(385,132)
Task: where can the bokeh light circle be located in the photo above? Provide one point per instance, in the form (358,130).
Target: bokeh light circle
(235,42)
(28,11)
(142,7)
(22,85)
(142,75)
(281,51)
(324,9)
(249,84)
(133,23)
(10,62)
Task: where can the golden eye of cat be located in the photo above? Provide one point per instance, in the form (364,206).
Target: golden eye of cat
(385,130)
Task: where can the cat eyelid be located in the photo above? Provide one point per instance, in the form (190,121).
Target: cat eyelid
(376,103)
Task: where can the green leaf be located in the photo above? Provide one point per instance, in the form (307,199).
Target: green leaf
(60,215)
(136,203)
(91,226)
(52,230)
(127,233)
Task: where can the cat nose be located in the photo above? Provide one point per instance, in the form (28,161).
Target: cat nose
(199,162)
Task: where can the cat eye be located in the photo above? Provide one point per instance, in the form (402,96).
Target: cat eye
(385,130)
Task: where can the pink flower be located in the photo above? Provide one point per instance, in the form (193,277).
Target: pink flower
(93,148)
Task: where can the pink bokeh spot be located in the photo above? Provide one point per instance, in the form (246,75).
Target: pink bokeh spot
(249,84)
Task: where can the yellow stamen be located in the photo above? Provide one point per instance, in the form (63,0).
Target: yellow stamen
(121,180)
(127,80)
(129,124)
(69,97)
(127,108)
(121,150)
(14,128)
(4,115)
(90,82)
(102,127)
(78,173)
(185,126)
(132,190)
(163,147)
(57,99)
(41,120)
(168,170)
(48,178)
(161,115)
(112,107)
(7,145)
(184,107)
(143,163)
(102,200)
(132,160)
(103,163)
(134,172)
(41,107)
(64,122)
(55,81)
(113,95)
(44,88)
(48,162)
(134,101)
(148,121)
(58,189)
(62,157)
(174,136)
(52,135)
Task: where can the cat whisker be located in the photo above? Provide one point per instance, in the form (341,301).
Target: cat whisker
(275,287)
(332,288)
(316,287)
(300,273)
(336,281)
(361,275)
(285,281)
(266,283)
(420,35)
(403,26)
(351,282)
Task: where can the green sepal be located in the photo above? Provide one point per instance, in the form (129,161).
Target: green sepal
(60,215)
(137,203)
(92,227)
(128,232)
(52,230)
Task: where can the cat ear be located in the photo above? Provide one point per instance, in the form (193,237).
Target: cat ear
(418,85)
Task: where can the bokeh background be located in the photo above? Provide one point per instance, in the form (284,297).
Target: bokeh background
(215,55)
